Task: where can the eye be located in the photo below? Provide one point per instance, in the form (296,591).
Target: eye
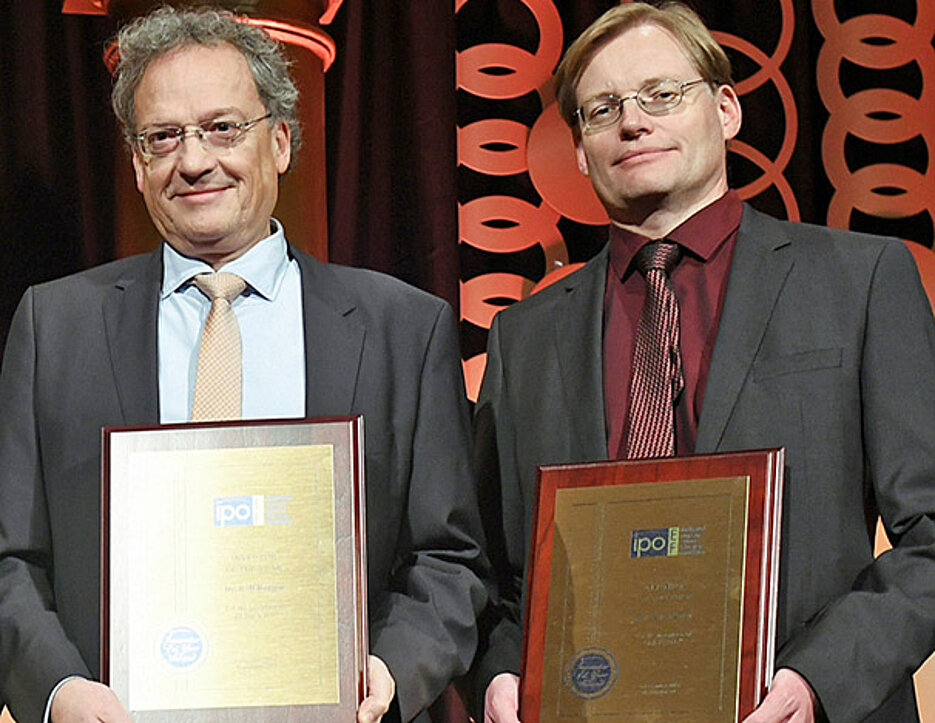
(600,110)
(162,140)
(162,135)
(660,94)
(664,94)
(222,128)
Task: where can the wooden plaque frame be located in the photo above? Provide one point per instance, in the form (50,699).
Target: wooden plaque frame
(764,471)
(343,437)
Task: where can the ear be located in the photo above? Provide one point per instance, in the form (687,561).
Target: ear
(581,155)
(728,107)
(282,146)
(139,169)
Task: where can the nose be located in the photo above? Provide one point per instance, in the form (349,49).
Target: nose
(634,121)
(194,159)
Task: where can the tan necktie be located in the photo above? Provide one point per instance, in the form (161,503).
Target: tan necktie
(218,379)
(657,362)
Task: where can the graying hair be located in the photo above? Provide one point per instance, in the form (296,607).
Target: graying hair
(167,29)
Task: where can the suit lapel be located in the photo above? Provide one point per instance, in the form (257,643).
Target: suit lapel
(334,340)
(758,271)
(130,320)
(578,337)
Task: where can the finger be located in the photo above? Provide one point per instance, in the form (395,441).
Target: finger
(370,711)
(501,699)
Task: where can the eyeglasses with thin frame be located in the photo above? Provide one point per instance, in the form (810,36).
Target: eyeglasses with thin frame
(656,98)
(219,134)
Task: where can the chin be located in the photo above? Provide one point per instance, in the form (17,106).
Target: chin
(636,188)
(204,235)
(639,196)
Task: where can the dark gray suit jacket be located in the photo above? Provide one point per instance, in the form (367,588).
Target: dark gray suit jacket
(81,354)
(826,346)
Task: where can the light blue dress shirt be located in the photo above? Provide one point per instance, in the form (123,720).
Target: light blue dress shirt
(272,336)
(269,314)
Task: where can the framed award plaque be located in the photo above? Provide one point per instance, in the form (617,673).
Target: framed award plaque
(233,570)
(652,589)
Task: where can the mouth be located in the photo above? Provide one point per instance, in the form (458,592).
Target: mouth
(641,154)
(200,195)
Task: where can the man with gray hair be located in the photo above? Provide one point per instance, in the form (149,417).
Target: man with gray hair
(208,109)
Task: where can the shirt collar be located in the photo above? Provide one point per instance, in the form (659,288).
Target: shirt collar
(262,267)
(701,234)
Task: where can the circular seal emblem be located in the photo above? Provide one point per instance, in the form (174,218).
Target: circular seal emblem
(591,673)
(182,646)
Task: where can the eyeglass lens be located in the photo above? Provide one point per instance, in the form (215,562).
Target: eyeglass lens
(218,134)
(656,99)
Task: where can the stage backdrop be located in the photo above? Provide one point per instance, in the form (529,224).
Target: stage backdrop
(446,165)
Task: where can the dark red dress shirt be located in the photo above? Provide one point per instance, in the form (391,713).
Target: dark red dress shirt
(700,280)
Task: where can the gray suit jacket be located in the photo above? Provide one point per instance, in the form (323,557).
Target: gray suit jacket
(81,354)
(826,346)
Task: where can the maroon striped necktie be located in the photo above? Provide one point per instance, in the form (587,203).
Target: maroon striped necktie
(657,362)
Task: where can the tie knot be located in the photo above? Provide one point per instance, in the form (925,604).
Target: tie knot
(220,285)
(662,255)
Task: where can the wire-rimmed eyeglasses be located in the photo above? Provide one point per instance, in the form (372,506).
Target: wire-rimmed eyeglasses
(656,98)
(221,133)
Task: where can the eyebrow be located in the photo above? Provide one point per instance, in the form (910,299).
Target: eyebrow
(205,118)
(645,83)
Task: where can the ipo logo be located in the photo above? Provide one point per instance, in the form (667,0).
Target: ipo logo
(591,673)
(182,646)
(660,542)
(247,510)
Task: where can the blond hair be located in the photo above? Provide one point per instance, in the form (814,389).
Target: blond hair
(674,17)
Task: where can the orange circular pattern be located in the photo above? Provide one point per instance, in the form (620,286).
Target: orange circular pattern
(497,147)
(770,70)
(876,115)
